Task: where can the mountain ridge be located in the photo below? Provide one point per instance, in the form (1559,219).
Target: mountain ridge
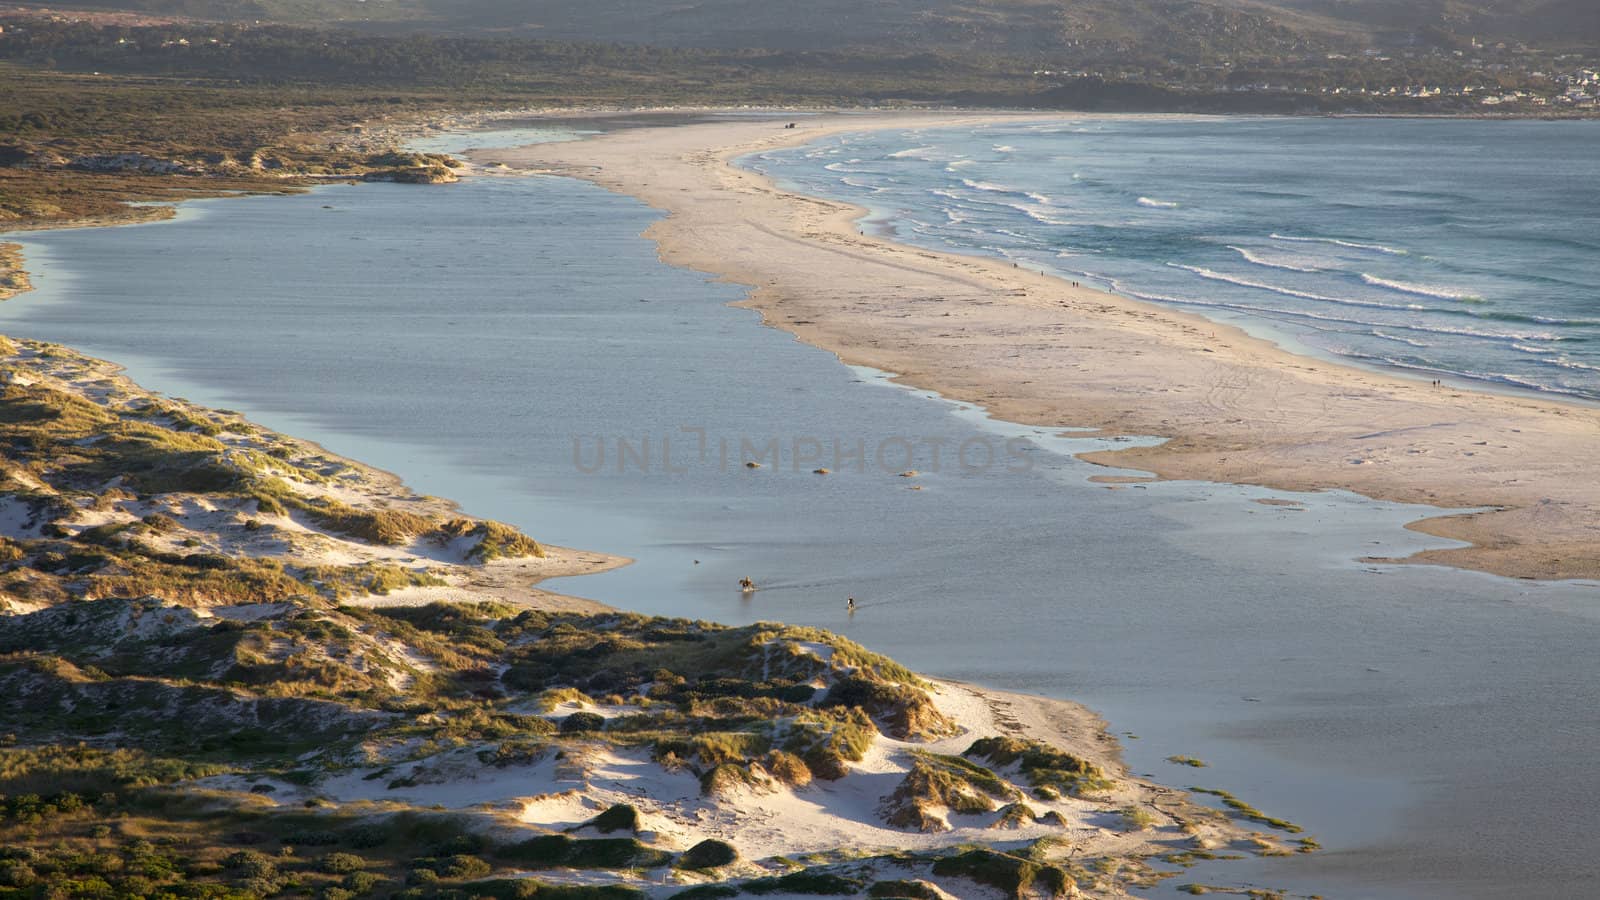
(1013,27)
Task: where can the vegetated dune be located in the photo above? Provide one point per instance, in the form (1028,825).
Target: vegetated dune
(231,662)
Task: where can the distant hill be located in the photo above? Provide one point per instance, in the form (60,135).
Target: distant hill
(1541,21)
(1185,28)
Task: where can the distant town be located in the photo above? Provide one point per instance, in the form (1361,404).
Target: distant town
(1499,78)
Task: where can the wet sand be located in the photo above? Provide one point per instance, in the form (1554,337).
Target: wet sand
(1035,349)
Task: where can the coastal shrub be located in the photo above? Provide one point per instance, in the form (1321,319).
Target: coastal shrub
(707,892)
(361,882)
(250,864)
(460,865)
(341,582)
(159,523)
(89,771)
(621,817)
(787,768)
(580,722)
(341,863)
(806,882)
(1137,818)
(708,854)
(1014,876)
(715,748)
(493,540)
(906,711)
(936,782)
(1041,764)
(555,850)
(727,777)
(1015,815)
(379,526)
(436,834)
(826,740)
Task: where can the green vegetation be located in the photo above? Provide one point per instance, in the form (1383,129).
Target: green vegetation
(491,540)
(805,882)
(135,461)
(557,850)
(708,854)
(938,782)
(1137,818)
(707,892)
(621,817)
(1016,815)
(1043,766)
(1243,810)
(1186,761)
(1013,875)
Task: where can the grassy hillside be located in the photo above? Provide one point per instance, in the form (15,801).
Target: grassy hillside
(1010,26)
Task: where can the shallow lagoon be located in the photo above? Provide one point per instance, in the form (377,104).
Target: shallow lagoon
(1431,727)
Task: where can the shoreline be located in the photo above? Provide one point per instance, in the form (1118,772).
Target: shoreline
(875,804)
(1235,408)
(512,579)
(1133,820)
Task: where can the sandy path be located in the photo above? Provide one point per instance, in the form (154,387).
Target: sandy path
(1034,349)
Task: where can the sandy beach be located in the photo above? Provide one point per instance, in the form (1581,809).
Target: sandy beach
(1036,350)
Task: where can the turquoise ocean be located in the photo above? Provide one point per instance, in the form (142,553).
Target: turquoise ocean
(1467,249)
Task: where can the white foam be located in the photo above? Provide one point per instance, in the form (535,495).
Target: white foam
(1257,259)
(1421,290)
(1566,363)
(1157,204)
(1398,339)
(1323,317)
(1339,242)
(1290,292)
(988,186)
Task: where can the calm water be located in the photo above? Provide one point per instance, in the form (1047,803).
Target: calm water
(1433,728)
(1460,248)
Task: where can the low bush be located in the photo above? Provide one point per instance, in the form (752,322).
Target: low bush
(621,817)
(1013,875)
(806,882)
(557,850)
(708,854)
(580,722)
